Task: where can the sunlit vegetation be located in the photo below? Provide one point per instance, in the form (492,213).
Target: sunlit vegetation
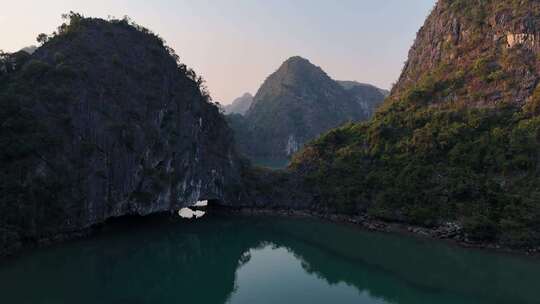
(458,141)
(73,23)
(427,166)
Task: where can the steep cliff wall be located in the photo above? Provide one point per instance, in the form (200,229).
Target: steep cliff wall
(486,52)
(457,141)
(240,105)
(296,104)
(102,121)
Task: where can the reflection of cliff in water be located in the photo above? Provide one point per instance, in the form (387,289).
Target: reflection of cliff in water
(196,262)
(398,269)
(134,265)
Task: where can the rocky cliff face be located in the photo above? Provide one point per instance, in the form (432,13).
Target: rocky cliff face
(457,141)
(102,121)
(296,104)
(367,96)
(240,105)
(487,52)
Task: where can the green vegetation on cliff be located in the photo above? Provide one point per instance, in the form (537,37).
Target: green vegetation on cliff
(296,104)
(459,137)
(427,166)
(103,121)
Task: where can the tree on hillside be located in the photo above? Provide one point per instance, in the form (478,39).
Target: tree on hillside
(42,38)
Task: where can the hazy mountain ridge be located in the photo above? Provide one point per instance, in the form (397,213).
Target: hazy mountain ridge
(368,96)
(297,103)
(240,105)
(350,84)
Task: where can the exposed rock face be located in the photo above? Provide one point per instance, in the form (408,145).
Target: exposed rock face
(29,49)
(528,40)
(367,96)
(458,140)
(498,41)
(240,105)
(296,104)
(102,122)
(292,145)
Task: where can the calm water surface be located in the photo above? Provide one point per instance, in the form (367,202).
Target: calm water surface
(263,260)
(271,163)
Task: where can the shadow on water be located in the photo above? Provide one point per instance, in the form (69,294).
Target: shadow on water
(165,260)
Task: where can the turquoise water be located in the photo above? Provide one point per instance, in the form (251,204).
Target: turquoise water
(271,163)
(263,260)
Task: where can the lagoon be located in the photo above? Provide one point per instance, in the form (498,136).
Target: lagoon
(235,259)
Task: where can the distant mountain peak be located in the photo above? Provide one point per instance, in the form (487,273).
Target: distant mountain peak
(300,65)
(240,105)
(296,103)
(297,60)
(355,85)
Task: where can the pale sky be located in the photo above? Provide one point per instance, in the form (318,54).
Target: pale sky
(236,44)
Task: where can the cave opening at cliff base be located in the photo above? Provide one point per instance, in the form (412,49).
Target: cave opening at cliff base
(199,209)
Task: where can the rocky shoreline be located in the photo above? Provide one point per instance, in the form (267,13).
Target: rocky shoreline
(18,247)
(450,232)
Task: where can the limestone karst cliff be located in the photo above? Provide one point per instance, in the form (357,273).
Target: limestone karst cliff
(297,103)
(240,105)
(486,52)
(458,139)
(103,121)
